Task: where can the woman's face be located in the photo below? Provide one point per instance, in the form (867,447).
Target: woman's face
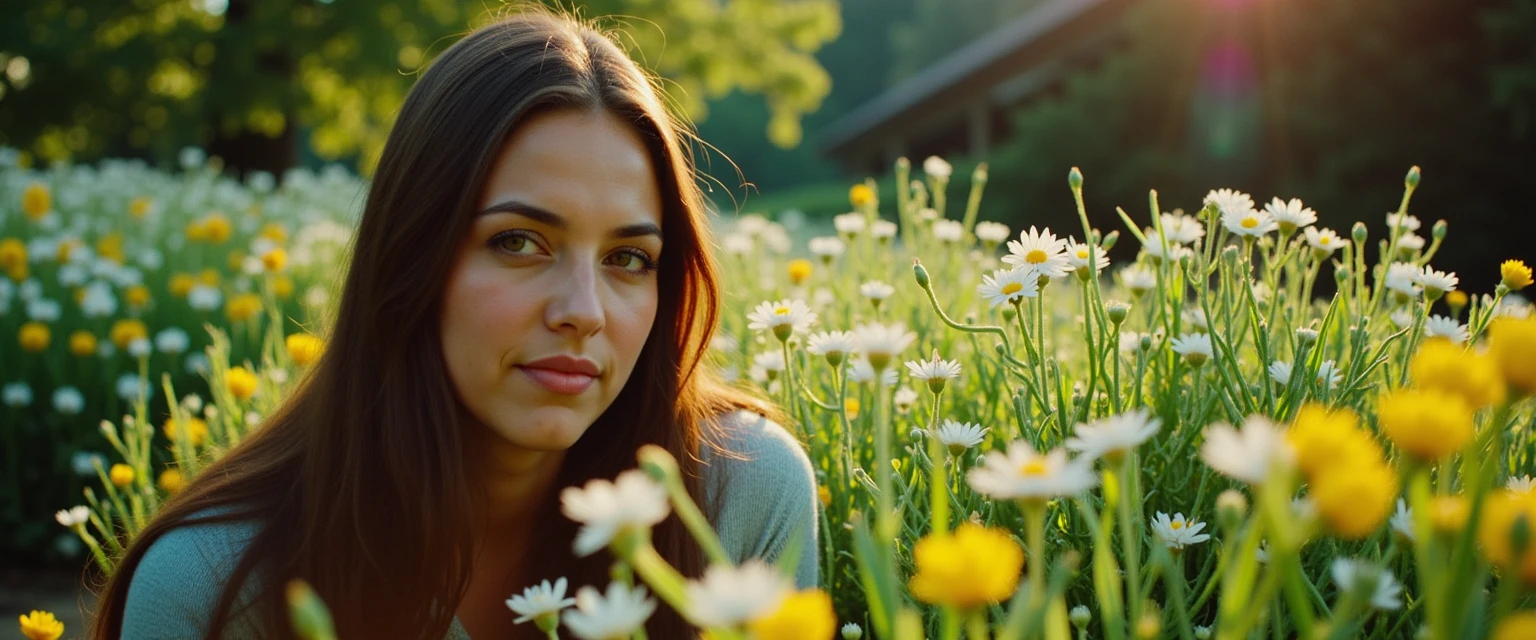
(554,290)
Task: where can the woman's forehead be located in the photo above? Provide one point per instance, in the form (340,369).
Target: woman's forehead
(588,167)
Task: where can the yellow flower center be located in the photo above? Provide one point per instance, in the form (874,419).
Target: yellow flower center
(1082,254)
(1012,288)
(1035,467)
(1035,256)
(1325,240)
(1176,525)
(1249,223)
(781,311)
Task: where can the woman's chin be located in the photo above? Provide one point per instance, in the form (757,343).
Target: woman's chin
(544,428)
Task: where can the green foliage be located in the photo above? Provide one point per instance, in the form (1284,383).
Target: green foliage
(146,78)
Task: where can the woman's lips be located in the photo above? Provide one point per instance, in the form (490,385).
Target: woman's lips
(559,381)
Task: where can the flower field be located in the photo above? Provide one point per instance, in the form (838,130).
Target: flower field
(1248,431)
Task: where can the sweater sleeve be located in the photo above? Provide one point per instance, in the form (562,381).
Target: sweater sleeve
(179,580)
(762,494)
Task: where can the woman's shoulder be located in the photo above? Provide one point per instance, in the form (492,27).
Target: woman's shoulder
(180,577)
(760,491)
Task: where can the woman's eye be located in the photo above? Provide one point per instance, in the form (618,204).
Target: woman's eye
(632,261)
(515,243)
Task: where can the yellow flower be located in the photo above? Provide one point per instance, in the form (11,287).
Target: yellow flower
(970,568)
(282,287)
(82,343)
(209,277)
(1456,300)
(181,284)
(195,231)
(110,247)
(137,295)
(1429,424)
(36,201)
(242,307)
(274,232)
(851,405)
(1449,514)
(1325,440)
(126,330)
(1520,625)
(803,614)
(34,336)
(12,253)
(825,495)
(140,207)
(66,247)
(1515,275)
(1501,509)
(1354,501)
(242,383)
(216,228)
(860,195)
(1512,343)
(172,481)
(799,270)
(196,432)
(236,260)
(122,475)
(275,259)
(304,349)
(41,625)
(1443,365)
(17,272)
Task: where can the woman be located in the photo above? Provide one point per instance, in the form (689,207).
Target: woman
(529,297)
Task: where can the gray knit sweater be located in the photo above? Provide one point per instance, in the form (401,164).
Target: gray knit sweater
(756,504)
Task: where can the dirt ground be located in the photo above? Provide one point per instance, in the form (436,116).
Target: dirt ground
(58,592)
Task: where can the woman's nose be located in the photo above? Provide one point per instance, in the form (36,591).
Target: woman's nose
(574,305)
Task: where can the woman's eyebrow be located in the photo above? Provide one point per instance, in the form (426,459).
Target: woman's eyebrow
(550,218)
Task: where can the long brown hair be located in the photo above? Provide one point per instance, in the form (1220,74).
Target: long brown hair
(358,480)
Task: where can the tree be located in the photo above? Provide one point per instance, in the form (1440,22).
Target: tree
(246,78)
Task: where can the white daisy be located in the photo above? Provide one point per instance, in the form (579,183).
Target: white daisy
(1328,374)
(992,233)
(1324,241)
(1112,437)
(1388,593)
(68,401)
(1138,280)
(1249,224)
(959,436)
(851,631)
(1229,202)
(1402,318)
(1130,341)
(609,509)
(1023,474)
(1195,317)
(1435,283)
(905,396)
(129,385)
(1511,306)
(876,290)
(884,230)
(1247,455)
(1409,243)
(830,345)
(1040,250)
(860,371)
(849,224)
(1006,286)
(1154,250)
(783,318)
(936,167)
(1291,215)
(769,363)
(881,342)
(751,223)
(1403,279)
(1522,484)
(172,340)
(615,616)
(948,231)
(934,369)
(730,596)
(17,394)
(1449,328)
(827,247)
(737,244)
(1077,256)
(1182,229)
(1177,532)
(1402,221)
(540,600)
(1280,372)
(1402,521)
(1195,347)
(73,516)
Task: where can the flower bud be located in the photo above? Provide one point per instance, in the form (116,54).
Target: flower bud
(1229,255)
(1075,178)
(1231,508)
(921,274)
(1117,311)
(1412,180)
(1306,336)
(903,164)
(1109,241)
(1438,231)
(1146,343)
(1341,275)
(852,631)
(979,176)
(1080,616)
(1359,234)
